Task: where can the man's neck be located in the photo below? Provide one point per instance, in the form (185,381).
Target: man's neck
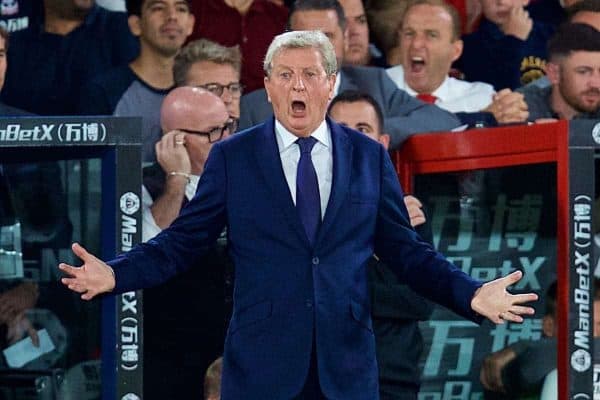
(559,106)
(155,70)
(394,56)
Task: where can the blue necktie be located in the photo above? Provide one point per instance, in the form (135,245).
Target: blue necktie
(308,201)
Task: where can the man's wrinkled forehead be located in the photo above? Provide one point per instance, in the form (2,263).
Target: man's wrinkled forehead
(291,58)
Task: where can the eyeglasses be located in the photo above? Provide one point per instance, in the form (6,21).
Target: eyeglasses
(215,134)
(235,88)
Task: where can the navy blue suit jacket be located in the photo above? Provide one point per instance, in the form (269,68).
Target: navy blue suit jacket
(287,292)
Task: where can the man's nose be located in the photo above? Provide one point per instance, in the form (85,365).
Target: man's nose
(417,41)
(298,83)
(226,96)
(352,29)
(594,81)
(171,13)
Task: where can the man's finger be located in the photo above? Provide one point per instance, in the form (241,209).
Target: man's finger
(513,278)
(483,375)
(408,199)
(88,295)
(508,316)
(524,298)
(522,310)
(68,269)
(416,221)
(34,336)
(73,284)
(81,252)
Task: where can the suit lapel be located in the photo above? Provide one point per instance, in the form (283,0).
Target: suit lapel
(342,165)
(269,162)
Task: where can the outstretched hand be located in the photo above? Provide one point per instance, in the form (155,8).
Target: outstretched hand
(494,302)
(92,278)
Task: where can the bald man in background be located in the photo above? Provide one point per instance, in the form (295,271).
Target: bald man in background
(178,347)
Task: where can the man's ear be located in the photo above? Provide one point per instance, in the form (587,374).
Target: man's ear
(134,25)
(266,85)
(384,139)
(331,80)
(552,72)
(457,48)
(191,26)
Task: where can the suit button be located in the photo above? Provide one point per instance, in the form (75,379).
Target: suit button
(309,303)
(315,261)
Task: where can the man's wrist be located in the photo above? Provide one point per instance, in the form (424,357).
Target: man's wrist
(185,175)
(112,271)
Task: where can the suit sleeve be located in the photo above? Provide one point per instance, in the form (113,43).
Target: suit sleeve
(188,238)
(406,115)
(415,262)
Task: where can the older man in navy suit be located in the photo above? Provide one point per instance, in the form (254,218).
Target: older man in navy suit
(404,114)
(306,203)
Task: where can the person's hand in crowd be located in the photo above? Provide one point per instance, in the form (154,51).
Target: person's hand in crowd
(172,154)
(92,278)
(518,24)
(17,300)
(508,107)
(494,302)
(473,15)
(546,120)
(415,212)
(490,374)
(18,327)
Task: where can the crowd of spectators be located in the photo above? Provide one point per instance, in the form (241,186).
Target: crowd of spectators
(425,65)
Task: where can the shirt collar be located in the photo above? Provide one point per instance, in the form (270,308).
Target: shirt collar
(286,138)
(441,92)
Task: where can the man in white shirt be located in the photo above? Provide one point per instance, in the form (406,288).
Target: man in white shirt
(430,42)
(192,119)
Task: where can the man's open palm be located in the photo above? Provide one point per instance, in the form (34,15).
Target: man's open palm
(494,302)
(92,278)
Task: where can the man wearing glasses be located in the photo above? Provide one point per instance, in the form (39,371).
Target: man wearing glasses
(192,120)
(216,68)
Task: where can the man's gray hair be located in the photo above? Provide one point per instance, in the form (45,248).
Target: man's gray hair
(204,50)
(301,40)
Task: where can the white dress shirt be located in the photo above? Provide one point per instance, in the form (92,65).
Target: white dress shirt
(149,225)
(321,154)
(453,94)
